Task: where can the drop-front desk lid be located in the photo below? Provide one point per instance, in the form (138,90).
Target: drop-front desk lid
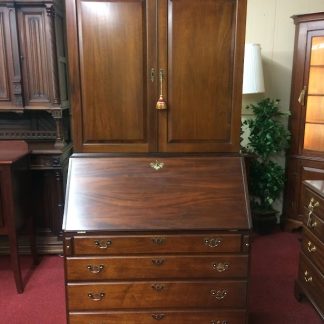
(138,193)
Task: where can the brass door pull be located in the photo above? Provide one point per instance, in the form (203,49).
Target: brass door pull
(96,296)
(218,322)
(95,268)
(301,98)
(101,244)
(161,103)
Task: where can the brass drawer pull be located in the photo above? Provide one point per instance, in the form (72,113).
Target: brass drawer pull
(213,242)
(101,244)
(313,225)
(95,268)
(157,165)
(158,240)
(158,262)
(307,277)
(96,296)
(220,267)
(219,294)
(312,204)
(311,247)
(158,287)
(218,322)
(158,317)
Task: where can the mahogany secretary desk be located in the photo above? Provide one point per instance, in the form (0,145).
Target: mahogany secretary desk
(157,222)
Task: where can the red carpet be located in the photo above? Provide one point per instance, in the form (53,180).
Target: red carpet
(273,270)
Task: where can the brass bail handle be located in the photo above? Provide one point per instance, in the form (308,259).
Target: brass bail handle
(161,103)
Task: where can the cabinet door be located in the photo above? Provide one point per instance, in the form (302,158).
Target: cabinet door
(111,54)
(307,97)
(36,57)
(10,76)
(201,52)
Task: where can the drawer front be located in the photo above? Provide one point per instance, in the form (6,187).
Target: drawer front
(123,295)
(314,203)
(313,248)
(221,317)
(312,282)
(154,267)
(112,245)
(314,223)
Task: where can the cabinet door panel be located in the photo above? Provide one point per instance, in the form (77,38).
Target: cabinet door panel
(204,67)
(10,75)
(113,60)
(34,53)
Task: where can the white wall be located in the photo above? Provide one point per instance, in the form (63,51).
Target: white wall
(269,24)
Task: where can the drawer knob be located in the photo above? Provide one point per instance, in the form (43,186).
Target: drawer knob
(218,322)
(96,296)
(219,294)
(311,247)
(158,317)
(95,268)
(158,262)
(158,287)
(312,204)
(220,267)
(158,240)
(213,242)
(101,244)
(307,277)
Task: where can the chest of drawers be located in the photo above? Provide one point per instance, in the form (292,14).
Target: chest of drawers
(147,246)
(310,281)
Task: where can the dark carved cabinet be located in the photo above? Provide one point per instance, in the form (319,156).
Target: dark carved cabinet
(34,103)
(306,157)
(130,51)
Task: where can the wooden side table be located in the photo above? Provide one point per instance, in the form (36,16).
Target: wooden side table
(15,191)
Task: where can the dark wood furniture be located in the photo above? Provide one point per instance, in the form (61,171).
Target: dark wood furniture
(34,104)
(154,231)
(145,244)
(310,282)
(115,66)
(306,157)
(15,211)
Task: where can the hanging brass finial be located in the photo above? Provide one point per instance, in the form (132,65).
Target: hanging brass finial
(161,103)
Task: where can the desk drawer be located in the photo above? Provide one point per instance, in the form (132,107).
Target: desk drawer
(312,282)
(314,203)
(153,267)
(313,248)
(165,317)
(314,223)
(112,245)
(161,294)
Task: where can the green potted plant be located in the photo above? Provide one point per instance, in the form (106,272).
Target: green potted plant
(267,139)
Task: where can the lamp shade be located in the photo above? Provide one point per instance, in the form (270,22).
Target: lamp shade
(253,73)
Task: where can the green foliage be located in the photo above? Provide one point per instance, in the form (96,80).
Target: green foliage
(267,138)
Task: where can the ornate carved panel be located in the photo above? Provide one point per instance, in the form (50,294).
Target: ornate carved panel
(34,53)
(4,85)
